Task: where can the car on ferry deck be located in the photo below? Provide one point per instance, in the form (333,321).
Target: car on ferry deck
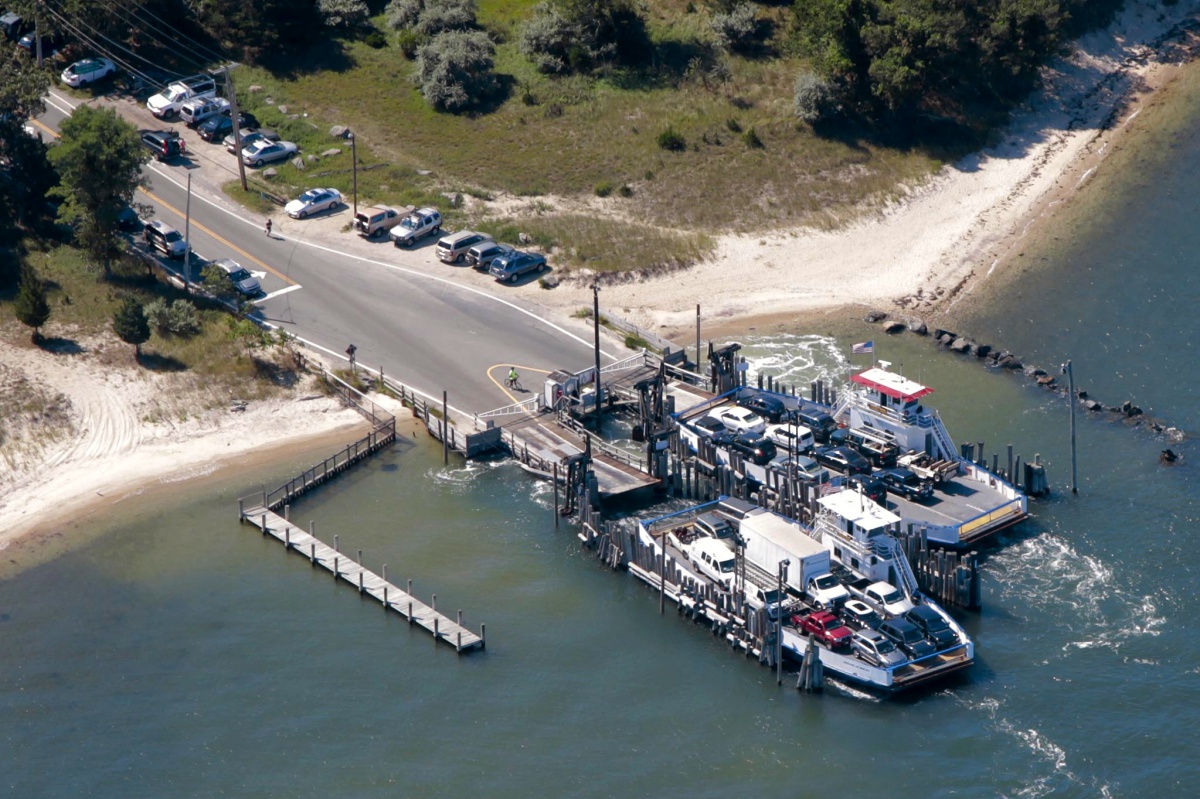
(842,459)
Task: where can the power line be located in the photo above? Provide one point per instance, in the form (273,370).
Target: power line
(214,55)
(104,51)
(203,56)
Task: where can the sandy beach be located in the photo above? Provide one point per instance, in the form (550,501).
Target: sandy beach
(916,257)
(951,237)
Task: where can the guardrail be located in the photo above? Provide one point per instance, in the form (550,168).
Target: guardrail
(531,405)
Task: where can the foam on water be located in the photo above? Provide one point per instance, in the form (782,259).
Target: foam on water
(795,358)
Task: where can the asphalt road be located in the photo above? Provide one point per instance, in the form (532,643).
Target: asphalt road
(429,332)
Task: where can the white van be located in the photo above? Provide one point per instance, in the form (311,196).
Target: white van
(792,437)
(198,109)
(452,248)
(713,559)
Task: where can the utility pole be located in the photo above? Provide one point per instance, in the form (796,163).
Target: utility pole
(783,566)
(596,318)
(237,128)
(697,338)
(37,32)
(187,237)
(354,169)
(1071,399)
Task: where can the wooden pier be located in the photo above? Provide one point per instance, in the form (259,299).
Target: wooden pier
(366,581)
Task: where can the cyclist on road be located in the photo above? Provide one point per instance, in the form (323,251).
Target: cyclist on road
(512,377)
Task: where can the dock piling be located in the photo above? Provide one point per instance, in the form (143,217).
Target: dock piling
(287,512)
(313,553)
(264,524)
(335,568)
(434,605)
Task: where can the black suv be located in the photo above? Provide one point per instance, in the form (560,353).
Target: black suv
(842,459)
(770,408)
(904,483)
(871,488)
(931,623)
(817,420)
(216,128)
(163,143)
(751,446)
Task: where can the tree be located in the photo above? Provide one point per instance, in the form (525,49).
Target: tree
(260,29)
(455,69)
(99,161)
(736,29)
(31,307)
(129,323)
(23,86)
(579,35)
(26,175)
(344,13)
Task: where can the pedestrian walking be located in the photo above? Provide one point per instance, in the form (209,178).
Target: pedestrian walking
(268,228)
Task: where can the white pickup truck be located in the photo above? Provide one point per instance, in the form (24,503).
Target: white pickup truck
(167,103)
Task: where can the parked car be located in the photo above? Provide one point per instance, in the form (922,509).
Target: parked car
(482,254)
(714,526)
(264,152)
(508,268)
(89,70)
(905,483)
(803,466)
(163,144)
(50,44)
(842,459)
(452,249)
(828,629)
(877,649)
(816,419)
(826,592)
(377,220)
(416,226)
(12,26)
(246,283)
(879,450)
(313,201)
(889,598)
(198,109)
(908,637)
(860,614)
(933,625)
(168,102)
(708,426)
(739,420)
(751,446)
(249,137)
(870,487)
(770,408)
(792,437)
(164,238)
(713,559)
(216,128)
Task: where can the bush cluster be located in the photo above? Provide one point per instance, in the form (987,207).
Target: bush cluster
(344,13)
(672,140)
(565,36)
(736,29)
(177,319)
(815,98)
(455,69)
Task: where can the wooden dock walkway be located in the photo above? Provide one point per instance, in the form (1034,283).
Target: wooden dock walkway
(366,581)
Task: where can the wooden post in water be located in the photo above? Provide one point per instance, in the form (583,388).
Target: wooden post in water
(386,604)
(336,543)
(434,605)
(555,496)
(409,586)
(335,567)
(264,524)
(662,580)
(287,538)
(410,619)
(445,430)
(360,557)
(312,553)
(483,635)
(384,572)
(360,581)
(287,512)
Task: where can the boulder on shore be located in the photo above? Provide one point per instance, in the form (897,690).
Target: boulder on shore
(1046,380)
(1092,405)
(961,344)
(939,332)
(330,152)
(875,316)
(338,131)
(919,328)
(270,172)
(894,326)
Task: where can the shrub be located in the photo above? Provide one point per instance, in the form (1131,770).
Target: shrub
(156,314)
(403,14)
(578,35)
(625,191)
(671,140)
(454,69)
(750,137)
(375,39)
(603,188)
(737,29)
(733,125)
(344,13)
(439,16)
(815,97)
(409,42)
(182,319)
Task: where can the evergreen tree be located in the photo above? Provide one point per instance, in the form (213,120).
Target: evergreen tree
(129,323)
(31,307)
(99,160)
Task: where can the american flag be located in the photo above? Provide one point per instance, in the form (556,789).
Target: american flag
(865,348)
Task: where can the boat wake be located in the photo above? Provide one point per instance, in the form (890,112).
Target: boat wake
(1047,575)
(795,358)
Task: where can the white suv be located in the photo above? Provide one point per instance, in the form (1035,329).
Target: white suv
(165,239)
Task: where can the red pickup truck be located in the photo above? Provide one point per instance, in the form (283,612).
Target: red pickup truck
(828,628)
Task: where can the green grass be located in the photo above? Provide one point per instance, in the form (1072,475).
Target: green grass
(568,136)
(81,311)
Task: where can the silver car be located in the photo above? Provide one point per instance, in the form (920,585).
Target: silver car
(263,152)
(241,279)
(877,649)
(481,255)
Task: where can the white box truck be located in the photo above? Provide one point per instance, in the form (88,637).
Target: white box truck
(771,538)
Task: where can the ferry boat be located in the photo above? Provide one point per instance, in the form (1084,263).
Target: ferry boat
(965,503)
(969,502)
(858,536)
